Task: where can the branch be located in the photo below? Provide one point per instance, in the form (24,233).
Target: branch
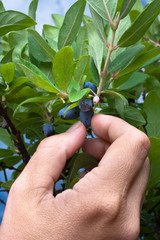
(18,142)
(5,174)
(108,15)
(103,74)
(2,202)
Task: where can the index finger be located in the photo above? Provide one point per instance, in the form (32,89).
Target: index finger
(127,152)
(129,146)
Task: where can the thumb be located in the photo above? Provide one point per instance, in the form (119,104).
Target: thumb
(47,163)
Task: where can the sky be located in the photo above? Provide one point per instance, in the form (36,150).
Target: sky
(44,11)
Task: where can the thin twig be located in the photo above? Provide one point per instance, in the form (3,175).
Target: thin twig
(2,202)
(156,44)
(5,174)
(104,72)
(19,142)
(108,15)
(3,165)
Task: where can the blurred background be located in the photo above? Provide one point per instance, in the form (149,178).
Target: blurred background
(44,11)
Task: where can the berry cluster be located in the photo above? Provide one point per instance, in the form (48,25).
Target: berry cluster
(84,110)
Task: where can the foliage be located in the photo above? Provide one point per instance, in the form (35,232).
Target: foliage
(117,49)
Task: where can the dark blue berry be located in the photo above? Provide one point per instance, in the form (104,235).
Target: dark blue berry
(48,130)
(86,117)
(85,104)
(72,113)
(92,86)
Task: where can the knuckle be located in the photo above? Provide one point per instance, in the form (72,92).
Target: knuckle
(144,141)
(131,230)
(43,144)
(16,189)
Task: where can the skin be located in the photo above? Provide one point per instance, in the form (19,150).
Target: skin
(104,204)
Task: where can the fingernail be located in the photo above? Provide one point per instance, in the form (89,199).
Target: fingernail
(74,127)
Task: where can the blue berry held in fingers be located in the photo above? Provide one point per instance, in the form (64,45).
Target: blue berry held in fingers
(85,104)
(86,117)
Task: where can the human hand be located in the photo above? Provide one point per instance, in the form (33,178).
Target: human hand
(104,204)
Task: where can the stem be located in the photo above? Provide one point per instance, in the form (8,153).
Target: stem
(18,142)
(108,15)
(157,44)
(5,174)
(104,72)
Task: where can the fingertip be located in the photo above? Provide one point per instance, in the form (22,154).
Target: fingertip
(77,129)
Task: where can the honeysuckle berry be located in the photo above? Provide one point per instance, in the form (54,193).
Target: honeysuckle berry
(92,86)
(71,114)
(85,104)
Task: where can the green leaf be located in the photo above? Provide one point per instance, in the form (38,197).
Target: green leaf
(42,45)
(40,99)
(35,51)
(32,9)
(73,105)
(154,157)
(7,185)
(152,110)
(98,22)
(112,94)
(126,7)
(135,79)
(80,68)
(80,41)
(116,101)
(58,20)
(140,61)
(124,58)
(71,24)
(11,160)
(73,84)
(2,9)
(15,174)
(81,161)
(5,153)
(6,138)
(73,182)
(63,67)
(51,31)
(77,95)
(19,81)
(7,71)
(96,46)
(99,7)
(37,77)
(140,25)
(14,21)
(133,116)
